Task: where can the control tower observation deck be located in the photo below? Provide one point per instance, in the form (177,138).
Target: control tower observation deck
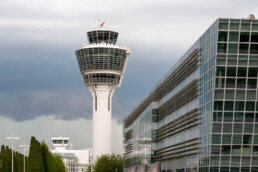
(102,64)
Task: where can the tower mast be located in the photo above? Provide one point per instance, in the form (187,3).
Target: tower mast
(102,64)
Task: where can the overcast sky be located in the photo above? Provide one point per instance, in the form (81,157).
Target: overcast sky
(42,93)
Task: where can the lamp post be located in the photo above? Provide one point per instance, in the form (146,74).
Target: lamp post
(91,161)
(12,138)
(25,147)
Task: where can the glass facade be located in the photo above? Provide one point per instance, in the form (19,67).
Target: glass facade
(138,139)
(94,60)
(216,129)
(233,145)
(207,79)
(60,141)
(70,161)
(99,36)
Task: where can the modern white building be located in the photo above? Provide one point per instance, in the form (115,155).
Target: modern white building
(74,160)
(102,64)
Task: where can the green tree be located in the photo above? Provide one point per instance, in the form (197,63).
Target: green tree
(109,163)
(35,156)
(6,160)
(18,162)
(51,163)
(40,159)
(89,169)
(59,165)
(46,157)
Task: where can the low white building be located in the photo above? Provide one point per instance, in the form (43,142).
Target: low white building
(74,160)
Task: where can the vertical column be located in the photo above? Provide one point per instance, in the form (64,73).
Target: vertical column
(102,103)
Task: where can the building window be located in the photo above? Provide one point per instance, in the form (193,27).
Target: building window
(243,48)
(236,150)
(254,37)
(223,36)
(239,106)
(242,60)
(226,139)
(237,139)
(241,72)
(217,116)
(245,25)
(254,49)
(238,117)
(234,24)
(231,71)
(252,72)
(229,106)
(233,36)
(222,47)
(220,82)
(232,48)
(223,24)
(218,105)
(247,139)
(225,149)
(244,36)
(228,116)
(216,138)
(249,106)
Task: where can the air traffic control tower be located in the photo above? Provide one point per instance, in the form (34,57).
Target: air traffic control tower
(102,64)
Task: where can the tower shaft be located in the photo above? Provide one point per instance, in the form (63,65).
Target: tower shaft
(102,99)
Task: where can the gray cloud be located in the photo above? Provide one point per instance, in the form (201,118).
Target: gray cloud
(27,105)
(31,88)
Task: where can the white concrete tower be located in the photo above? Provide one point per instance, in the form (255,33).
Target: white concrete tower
(102,64)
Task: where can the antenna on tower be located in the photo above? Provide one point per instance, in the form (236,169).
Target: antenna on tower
(102,25)
(70,145)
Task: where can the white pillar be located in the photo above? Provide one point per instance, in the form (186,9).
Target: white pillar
(102,103)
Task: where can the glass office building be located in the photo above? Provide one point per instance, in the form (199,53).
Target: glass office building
(203,114)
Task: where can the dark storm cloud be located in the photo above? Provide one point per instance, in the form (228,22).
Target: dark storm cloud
(39,79)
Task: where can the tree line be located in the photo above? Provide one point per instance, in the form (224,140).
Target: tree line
(108,163)
(40,159)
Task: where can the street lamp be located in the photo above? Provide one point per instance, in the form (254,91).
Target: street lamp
(25,147)
(12,138)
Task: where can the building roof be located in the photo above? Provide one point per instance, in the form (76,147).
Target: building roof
(66,155)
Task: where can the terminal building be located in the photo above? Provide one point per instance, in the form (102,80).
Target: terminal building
(74,160)
(203,114)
